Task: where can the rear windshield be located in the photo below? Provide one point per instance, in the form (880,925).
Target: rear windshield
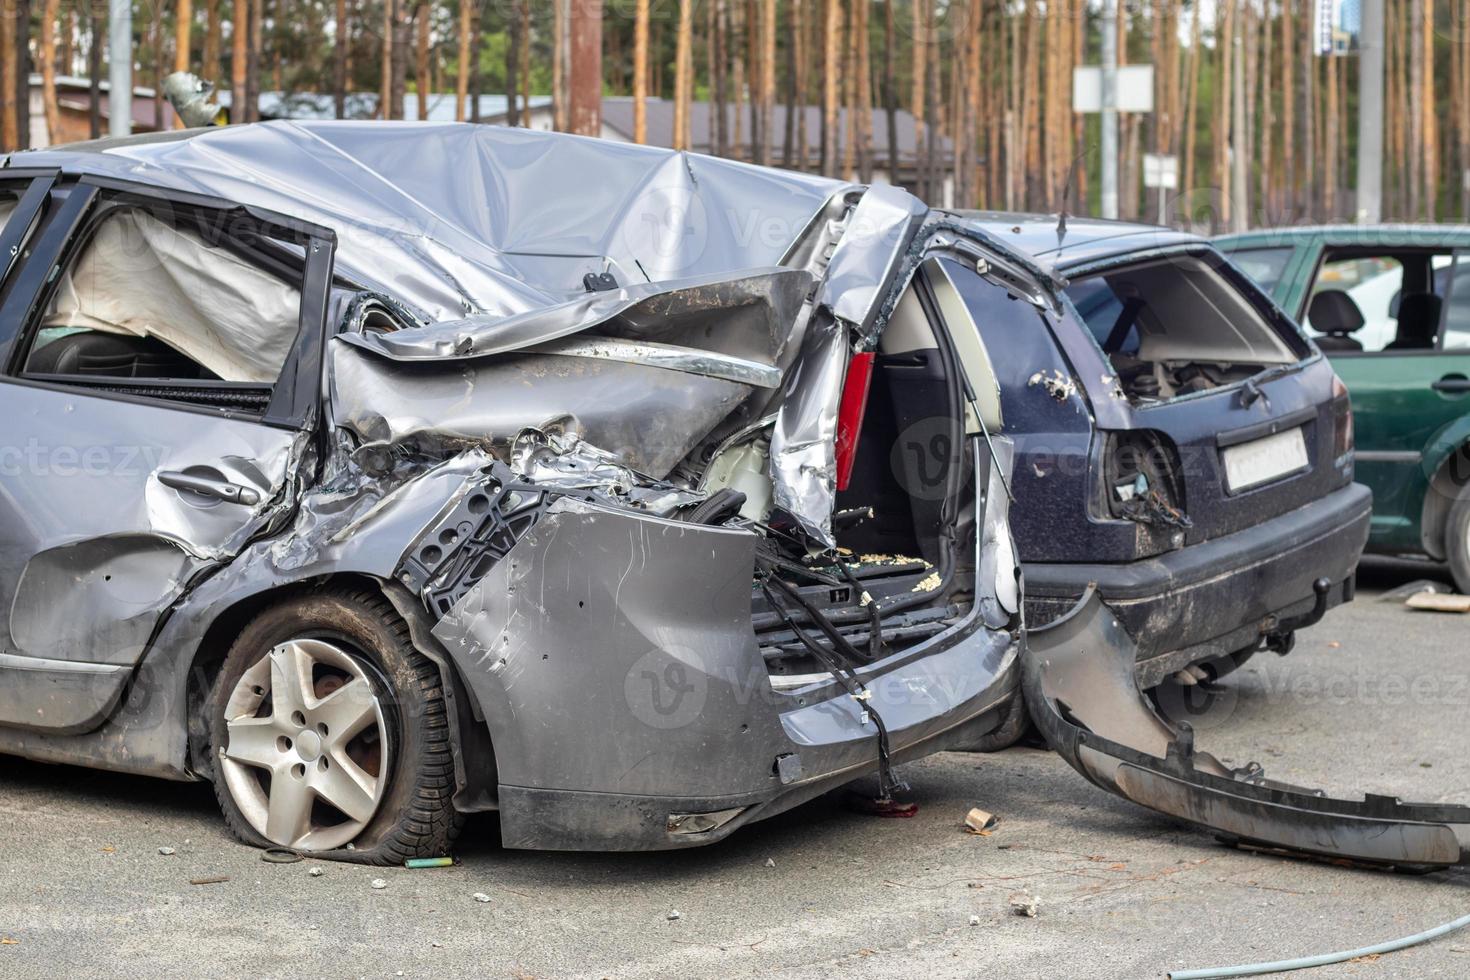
(1175,326)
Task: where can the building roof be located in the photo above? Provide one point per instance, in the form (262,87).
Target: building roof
(617,113)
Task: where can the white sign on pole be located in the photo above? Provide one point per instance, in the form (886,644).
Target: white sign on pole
(1135,88)
(1161,171)
(1336,26)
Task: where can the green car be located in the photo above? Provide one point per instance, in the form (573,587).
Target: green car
(1390,306)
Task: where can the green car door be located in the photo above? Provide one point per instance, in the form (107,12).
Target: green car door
(1410,386)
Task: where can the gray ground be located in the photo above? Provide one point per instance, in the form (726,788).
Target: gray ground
(1376,697)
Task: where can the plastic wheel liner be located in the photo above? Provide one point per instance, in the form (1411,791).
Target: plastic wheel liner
(1078,675)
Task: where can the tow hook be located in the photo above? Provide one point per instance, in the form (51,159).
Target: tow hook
(1279,635)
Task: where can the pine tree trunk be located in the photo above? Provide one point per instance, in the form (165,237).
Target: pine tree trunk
(831,88)
(919,99)
(49,13)
(1416,100)
(9,137)
(890,90)
(513,63)
(1431,118)
(1029,128)
(560,38)
(584,65)
(462,69)
(640,73)
(864,121)
(421,57)
(209,67)
(719,70)
(1191,108)
(683,75)
(768,80)
(800,83)
(399,64)
(94,71)
(1288,111)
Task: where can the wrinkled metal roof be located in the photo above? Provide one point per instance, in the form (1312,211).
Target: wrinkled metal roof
(455,219)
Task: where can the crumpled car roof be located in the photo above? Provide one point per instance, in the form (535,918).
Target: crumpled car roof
(456,219)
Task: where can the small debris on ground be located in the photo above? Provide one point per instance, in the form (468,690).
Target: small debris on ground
(1439,602)
(980,822)
(210,880)
(1023,903)
(863,803)
(974,920)
(166,851)
(481,897)
(379,883)
(1412,589)
(674,915)
(435,862)
(316,872)
(7,941)
(770,862)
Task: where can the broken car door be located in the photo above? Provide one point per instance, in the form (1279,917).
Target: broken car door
(160,361)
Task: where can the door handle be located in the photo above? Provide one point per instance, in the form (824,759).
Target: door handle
(1452,384)
(216,489)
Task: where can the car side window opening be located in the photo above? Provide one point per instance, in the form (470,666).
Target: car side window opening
(1176,326)
(1455,285)
(1264,265)
(1378,302)
(146,297)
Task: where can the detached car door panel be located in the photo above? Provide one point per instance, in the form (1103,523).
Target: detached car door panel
(150,347)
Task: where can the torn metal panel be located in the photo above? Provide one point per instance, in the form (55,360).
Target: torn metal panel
(625,389)
(804,441)
(650,417)
(869,256)
(1079,680)
(455,219)
(575,623)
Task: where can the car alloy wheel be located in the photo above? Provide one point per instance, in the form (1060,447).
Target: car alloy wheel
(306,757)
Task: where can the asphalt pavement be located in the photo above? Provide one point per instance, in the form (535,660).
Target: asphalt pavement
(1375,698)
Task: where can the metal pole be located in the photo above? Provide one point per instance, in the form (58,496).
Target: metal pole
(1110,109)
(120,67)
(1239,165)
(1370,114)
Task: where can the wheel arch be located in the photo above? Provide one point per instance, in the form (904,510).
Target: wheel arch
(474,760)
(1447,462)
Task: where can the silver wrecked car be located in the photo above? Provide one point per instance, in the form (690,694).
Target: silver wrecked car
(384,473)
(381,474)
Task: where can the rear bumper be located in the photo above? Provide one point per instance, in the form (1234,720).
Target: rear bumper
(629,706)
(1222,595)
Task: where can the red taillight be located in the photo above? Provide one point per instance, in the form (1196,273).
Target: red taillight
(1342,417)
(850,414)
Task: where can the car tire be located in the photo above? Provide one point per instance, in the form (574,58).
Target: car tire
(376,790)
(1015,723)
(1457,541)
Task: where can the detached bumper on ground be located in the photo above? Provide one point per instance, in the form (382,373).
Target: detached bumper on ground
(1221,596)
(1083,695)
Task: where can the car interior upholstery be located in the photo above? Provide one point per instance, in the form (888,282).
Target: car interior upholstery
(1335,314)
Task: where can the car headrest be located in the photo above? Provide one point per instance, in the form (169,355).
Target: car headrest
(1334,312)
(1418,319)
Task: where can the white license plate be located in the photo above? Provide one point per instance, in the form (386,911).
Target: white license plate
(1260,461)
